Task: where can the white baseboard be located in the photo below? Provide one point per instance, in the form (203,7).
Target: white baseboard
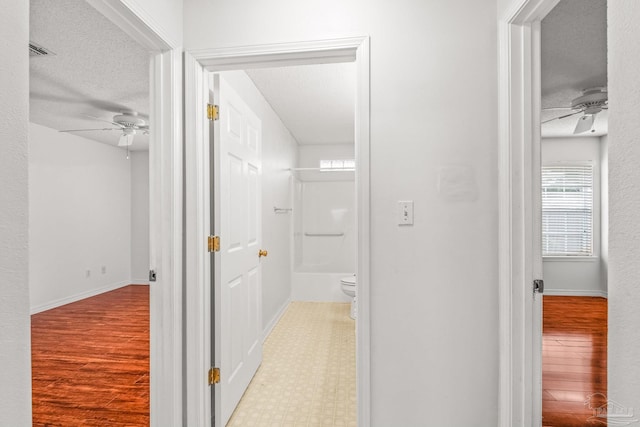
(78,297)
(576,292)
(139,282)
(272,324)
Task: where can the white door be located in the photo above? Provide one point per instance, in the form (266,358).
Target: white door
(238,290)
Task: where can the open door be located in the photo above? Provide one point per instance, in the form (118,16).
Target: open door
(236,204)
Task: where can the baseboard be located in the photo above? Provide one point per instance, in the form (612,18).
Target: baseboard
(139,282)
(576,292)
(272,324)
(78,297)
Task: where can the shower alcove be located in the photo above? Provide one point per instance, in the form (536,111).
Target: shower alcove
(324,233)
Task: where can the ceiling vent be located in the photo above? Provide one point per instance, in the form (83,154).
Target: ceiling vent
(37,50)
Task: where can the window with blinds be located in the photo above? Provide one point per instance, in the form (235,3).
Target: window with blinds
(567,210)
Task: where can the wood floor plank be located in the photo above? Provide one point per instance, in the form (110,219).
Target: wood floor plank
(90,361)
(574,359)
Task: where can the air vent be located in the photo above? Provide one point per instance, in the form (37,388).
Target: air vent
(36,50)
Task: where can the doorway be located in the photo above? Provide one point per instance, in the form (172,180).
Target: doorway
(165,253)
(574,194)
(265,56)
(521,222)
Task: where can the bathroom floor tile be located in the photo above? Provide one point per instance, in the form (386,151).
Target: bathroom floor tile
(308,370)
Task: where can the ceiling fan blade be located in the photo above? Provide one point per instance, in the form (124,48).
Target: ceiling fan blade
(125,140)
(106,121)
(556,108)
(584,124)
(86,130)
(562,117)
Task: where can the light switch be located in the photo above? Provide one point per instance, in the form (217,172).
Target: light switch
(405,212)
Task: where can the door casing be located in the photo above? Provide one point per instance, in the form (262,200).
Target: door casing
(165,202)
(519,254)
(198,332)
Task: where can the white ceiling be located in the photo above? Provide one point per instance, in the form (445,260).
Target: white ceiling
(97,70)
(574,58)
(315,102)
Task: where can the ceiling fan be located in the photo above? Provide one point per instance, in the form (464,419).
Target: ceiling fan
(589,104)
(127,122)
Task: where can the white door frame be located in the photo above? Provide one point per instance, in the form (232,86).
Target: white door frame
(165,205)
(520,383)
(198,336)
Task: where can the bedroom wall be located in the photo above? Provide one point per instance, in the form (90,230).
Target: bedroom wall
(278,155)
(139,217)
(79,218)
(15,332)
(576,275)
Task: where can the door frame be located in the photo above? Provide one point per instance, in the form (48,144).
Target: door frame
(519,253)
(197,314)
(165,203)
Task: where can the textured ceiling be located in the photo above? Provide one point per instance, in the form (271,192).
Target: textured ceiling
(574,58)
(97,70)
(315,102)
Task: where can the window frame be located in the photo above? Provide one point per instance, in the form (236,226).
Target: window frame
(595,212)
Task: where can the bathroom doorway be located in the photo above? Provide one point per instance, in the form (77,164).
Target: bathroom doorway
(281,211)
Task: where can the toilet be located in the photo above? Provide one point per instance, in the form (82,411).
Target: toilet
(348,285)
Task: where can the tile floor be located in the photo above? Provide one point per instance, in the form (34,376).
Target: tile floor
(308,372)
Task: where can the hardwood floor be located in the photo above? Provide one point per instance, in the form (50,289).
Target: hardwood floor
(574,360)
(90,361)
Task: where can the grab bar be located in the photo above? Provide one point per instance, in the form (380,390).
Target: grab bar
(324,234)
(281,210)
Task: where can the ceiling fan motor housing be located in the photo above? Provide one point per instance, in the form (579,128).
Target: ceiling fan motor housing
(592,101)
(129,119)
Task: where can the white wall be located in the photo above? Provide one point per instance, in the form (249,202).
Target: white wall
(604,211)
(139,216)
(79,217)
(624,202)
(278,155)
(15,352)
(576,275)
(434,323)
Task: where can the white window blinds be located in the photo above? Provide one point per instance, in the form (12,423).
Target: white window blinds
(567,210)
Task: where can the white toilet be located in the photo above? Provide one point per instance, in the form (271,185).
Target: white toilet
(349,287)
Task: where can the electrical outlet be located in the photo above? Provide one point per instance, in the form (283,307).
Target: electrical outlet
(104,269)
(88,273)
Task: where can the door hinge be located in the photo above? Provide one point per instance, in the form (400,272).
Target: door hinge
(213,243)
(214,376)
(538,286)
(212,112)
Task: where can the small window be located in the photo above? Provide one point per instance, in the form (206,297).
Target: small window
(567,210)
(337,165)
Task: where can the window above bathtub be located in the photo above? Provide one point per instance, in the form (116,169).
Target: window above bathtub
(337,165)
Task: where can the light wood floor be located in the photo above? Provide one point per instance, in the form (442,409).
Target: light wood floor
(90,361)
(308,372)
(574,360)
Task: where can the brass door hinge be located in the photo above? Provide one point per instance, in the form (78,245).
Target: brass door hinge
(212,112)
(213,243)
(214,376)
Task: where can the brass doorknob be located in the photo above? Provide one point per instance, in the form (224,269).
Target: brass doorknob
(262,253)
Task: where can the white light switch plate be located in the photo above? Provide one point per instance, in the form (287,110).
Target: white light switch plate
(405,212)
